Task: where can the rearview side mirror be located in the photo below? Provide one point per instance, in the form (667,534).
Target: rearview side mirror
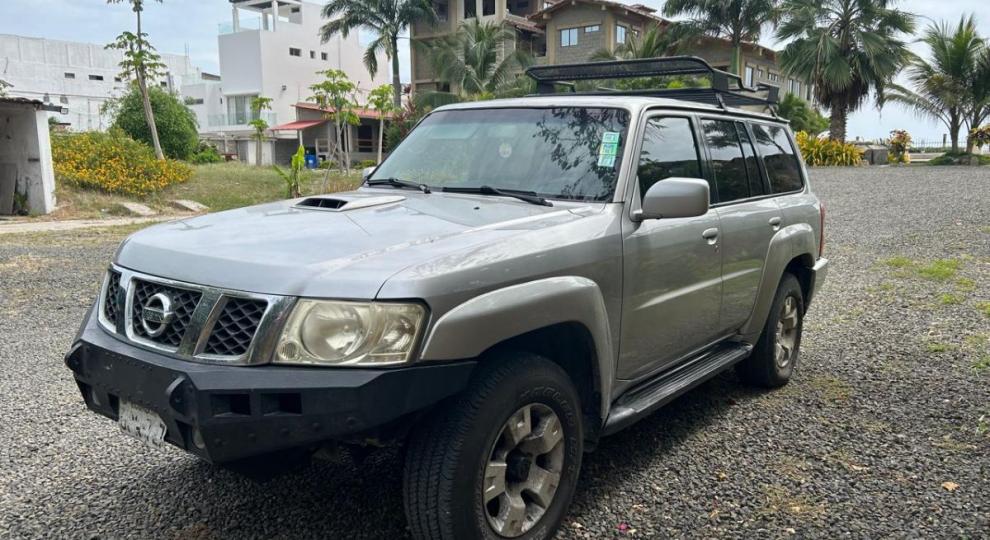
(675,198)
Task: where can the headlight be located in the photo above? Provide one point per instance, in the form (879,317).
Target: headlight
(349,333)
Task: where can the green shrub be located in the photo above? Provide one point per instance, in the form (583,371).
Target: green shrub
(176,124)
(827,152)
(960,158)
(365,163)
(900,143)
(206,153)
(327,164)
(801,115)
(113,162)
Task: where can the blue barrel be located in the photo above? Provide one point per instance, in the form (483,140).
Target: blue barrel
(311,161)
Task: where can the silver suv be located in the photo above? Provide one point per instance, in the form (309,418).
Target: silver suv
(518,279)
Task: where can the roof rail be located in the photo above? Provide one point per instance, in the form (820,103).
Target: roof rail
(727,89)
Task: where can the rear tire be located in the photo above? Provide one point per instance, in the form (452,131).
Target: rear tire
(776,353)
(514,437)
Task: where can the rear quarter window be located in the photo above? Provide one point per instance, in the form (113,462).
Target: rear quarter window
(779,158)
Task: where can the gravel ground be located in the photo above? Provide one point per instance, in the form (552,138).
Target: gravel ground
(885,432)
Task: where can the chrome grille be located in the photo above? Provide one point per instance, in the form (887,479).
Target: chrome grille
(236,326)
(110,298)
(184,304)
(206,324)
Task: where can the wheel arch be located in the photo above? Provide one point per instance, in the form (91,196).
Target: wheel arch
(561,318)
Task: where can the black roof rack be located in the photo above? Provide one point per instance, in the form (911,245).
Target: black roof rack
(727,89)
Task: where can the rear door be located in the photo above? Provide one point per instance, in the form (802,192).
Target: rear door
(672,267)
(748,216)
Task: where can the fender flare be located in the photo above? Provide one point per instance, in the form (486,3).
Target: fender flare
(798,240)
(471,328)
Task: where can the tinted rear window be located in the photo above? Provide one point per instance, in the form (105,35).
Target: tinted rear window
(728,163)
(778,156)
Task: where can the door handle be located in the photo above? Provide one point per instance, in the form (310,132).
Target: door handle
(775,223)
(711,235)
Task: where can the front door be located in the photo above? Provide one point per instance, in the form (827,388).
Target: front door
(672,288)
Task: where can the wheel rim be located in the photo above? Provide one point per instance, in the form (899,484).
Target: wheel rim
(523,470)
(785,339)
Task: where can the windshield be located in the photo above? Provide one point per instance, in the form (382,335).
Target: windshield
(560,153)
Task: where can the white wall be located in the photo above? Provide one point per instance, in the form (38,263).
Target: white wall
(24,143)
(37,67)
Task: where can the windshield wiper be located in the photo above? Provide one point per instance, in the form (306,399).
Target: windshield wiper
(396,183)
(527,196)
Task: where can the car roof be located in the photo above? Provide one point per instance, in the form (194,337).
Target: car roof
(634,104)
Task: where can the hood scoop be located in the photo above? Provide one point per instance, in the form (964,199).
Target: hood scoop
(345,203)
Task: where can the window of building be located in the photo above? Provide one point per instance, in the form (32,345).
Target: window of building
(470,9)
(592,28)
(70,75)
(312,55)
(96,77)
(569,37)
(774,77)
(295,52)
(728,163)
(487,7)
(669,150)
(324,56)
(748,75)
(759,74)
(117,79)
(620,33)
(778,157)
(797,88)
(365,138)
(441,9)
(239,110)
(163,84)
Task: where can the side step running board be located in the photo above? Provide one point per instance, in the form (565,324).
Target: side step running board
(651,395)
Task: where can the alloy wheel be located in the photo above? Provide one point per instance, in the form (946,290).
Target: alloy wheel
(785,338)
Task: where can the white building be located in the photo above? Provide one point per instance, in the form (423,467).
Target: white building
(27,177)
(78,76)
(273,48)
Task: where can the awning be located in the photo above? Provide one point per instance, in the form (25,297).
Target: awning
(297,125)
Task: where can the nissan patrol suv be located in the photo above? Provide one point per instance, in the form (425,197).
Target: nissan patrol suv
(516,280)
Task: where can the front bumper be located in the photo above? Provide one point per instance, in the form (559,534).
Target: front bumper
(223,413)
(818,273)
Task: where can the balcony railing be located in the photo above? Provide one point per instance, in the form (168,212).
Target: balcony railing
(224,120)
(248,24)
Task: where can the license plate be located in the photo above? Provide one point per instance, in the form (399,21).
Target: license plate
(142,424)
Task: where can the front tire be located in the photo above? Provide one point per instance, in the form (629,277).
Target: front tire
(776,352)
(499,461)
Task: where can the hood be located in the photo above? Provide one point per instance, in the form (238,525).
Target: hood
(336,246)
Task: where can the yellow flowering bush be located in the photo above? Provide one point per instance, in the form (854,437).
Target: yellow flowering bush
(113,162)
(826,152)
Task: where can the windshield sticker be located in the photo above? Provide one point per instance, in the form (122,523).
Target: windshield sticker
(505,150)
(608,149)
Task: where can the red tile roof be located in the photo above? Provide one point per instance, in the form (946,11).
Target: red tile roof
(362,112)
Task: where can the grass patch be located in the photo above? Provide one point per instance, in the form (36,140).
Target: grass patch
(220,186)
(950,299)
(831,388)
(779,499)
(939,270)
(938,347)
(960,158)
(982,363)
(965,284)
(984,308)
(898,262)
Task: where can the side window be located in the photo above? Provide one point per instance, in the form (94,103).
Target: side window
(728,163)
(778,158)
(756,185)
(669,150)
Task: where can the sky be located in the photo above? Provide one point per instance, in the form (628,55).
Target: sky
(175,26)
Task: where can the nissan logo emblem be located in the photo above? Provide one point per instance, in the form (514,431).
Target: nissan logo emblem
(157,314)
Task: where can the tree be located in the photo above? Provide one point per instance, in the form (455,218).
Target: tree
(291,178)
(175,123)
(381,99)
(846,49)
(735,20)
(335,96)
(259,104)
(943,85)
(979,95)
(472,62)
(802,116)
(387,18)
(140,62)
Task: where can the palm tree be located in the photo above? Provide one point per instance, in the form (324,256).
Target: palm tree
(388,18)
(139,58)
(846,49)
(945,85)
(473,62)
(653,43)
(735,20)
(979,95)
